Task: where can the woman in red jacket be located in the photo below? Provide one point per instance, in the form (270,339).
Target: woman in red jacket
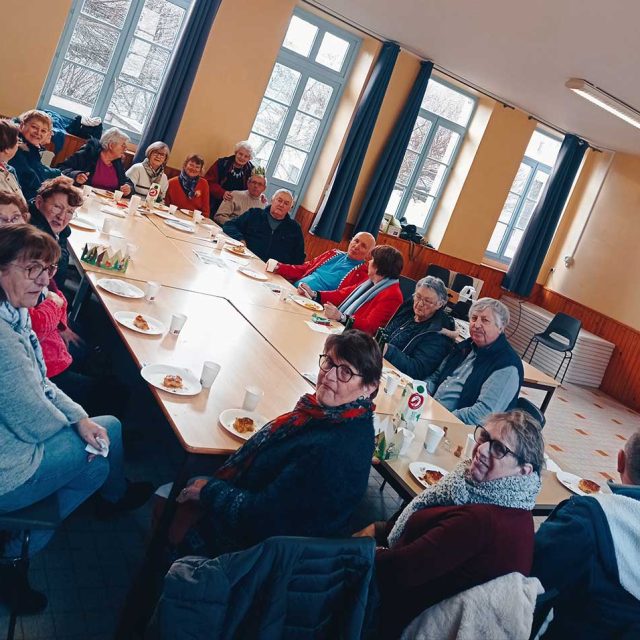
(472,526)
(189,190)
(372,303)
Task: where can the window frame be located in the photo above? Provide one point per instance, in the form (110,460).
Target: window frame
(127,33)
(436,121)
(307,68)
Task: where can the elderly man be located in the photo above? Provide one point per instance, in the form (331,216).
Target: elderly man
(270,232)
(587,550)
(240,201)
(332,269)
(483,374)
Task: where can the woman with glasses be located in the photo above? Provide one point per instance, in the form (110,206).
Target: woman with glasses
(303,473)
(472,526)
(151,169)
(417,338)
(43,433)
(13,208)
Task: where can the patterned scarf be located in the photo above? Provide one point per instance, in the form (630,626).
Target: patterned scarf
(458,488)
(307,408)
(188,184)
(154,174)
(364,293)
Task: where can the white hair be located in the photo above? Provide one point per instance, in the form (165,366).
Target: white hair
(436,285)
(244,144)
(283,191)
(111,136)
(158,146)
(500,312)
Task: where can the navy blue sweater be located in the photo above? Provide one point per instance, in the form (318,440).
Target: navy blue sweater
(305,485)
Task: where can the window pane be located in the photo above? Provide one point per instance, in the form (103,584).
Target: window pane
(76,88)
(92,44)
(114,12)
(509,208)
(418,210)
(543,148)
(315,98)
(282,84)
(539,181)
(431,177)
(303,131)
(270,118)
(447,102)
(513,243)
(525,214)
(332,52)
(262,148)
(129,107)
(444,144)
(406,168)
(160,22)
(394,200)
(496,238)
(290,165)
(145,64)
(300,36)
(419,134)
(519,182)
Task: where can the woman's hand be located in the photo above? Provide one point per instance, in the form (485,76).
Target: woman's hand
(126,189)
(305,290)
(82,178)
(192,491)
(367,532)
(89,431)
(331,311)
(71,337)
(57,300)
(450,333)
(227,195)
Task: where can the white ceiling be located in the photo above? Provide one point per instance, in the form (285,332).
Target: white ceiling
(523,52)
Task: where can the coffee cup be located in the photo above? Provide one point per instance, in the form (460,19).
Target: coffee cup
(134,203)
(151,290)
(434,435)
(407,440)
(271,265)
(210,371)
(107,226)
(177,322)
(117,195)
(252,396)
(86,191)
(197,216)
(172,208)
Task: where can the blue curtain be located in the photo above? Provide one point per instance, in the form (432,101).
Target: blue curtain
(332,215)
(172,99)
(384,177)
(535,242)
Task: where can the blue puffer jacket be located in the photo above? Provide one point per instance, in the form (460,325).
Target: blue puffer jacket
(302,588)
(30,170)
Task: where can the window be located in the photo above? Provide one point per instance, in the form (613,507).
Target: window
(440,126)
(112,59)
(303,91)
(524,195)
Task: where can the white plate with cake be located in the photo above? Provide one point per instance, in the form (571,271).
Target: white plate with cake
(140,322)
(177,380)
(426,473)
(240,423)
(120,288)
(579,486)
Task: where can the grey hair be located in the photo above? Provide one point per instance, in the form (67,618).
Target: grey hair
(283,191)
(436,285)
(157,146)
(244,144)
(527,434)
(632,456)
(112,135)
(500,312)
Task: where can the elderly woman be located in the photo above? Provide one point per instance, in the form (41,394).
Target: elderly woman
(99,163)
(35,131)
(151,169)
(13,208)
(43,433)
(229,174)
(189,190)
(9,138)
(416,342)
(303,473)
(474,525)
(371,304)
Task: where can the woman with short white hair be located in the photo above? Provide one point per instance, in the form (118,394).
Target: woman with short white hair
(151,169)
(229,174)
(99,163)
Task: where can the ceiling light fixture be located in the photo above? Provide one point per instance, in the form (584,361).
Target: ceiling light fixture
(604,100)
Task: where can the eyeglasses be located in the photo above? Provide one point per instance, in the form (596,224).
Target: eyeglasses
(59,209)
(497,449)
(36,270)
(425,301)
(343,372)
(17,218)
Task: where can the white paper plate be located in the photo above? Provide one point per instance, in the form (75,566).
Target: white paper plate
(232,241)
(125,318)
(245,254)
(120,288)
(154,374)
(307,303)
(256,275)
(227,418)
(181,225)
(156,212)
(83,223)
(187,212)
(114,211)
(417,470)
(160,207)
(570,481)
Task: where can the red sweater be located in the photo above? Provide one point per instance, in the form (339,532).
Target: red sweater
(47,319)
(176,195)
(373,314)
(295,272)
(446,550)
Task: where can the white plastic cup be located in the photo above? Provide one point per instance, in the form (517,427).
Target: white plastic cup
(86,191)
(469,444)
(107,226)
(208,231)
(210,371)
(218,244)
(134,203)
(407,440)
(117,195)
(434,435)
(177,322)
(284,294)
(197,216)
(252,396)
(173,208)
(271,265)
(391,383)
(151,290)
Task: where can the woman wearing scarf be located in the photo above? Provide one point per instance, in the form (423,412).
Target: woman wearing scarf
(151,169)
(189,190)
(474,525)
(303,473)
(372,303)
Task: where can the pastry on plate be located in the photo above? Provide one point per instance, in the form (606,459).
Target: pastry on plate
(430,476)
(588,486)
(141,323)
(172,382)
(244,425)
(238,249)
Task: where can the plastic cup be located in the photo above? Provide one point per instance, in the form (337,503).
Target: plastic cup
(391,383)
(177,322)
(172,208)
(134,203)
(407,440)
(434,435)
(197,216)
(252,396)
(117,195)
(469,444)
(271,265)
(151,290)
(86,191)
(218,244)
(107,226)
(210,370)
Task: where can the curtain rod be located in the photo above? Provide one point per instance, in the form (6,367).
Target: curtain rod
(381,38)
